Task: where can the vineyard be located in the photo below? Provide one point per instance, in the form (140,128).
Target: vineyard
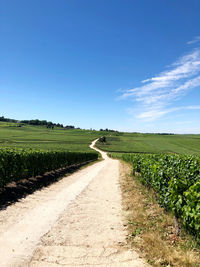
(151,143)
(17,163)
(176,182)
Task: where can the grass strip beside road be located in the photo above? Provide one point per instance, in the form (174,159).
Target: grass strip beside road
(151,230)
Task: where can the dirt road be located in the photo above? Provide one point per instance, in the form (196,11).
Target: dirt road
(74,222)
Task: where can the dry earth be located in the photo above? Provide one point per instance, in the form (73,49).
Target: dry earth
(74,222)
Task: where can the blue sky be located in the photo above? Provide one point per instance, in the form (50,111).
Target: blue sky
(119,64)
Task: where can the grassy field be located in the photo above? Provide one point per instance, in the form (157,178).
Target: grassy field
(39,137)
(152,143)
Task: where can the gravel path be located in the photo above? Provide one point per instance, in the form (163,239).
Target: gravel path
(74,222)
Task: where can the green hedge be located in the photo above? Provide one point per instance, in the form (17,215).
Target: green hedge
(176,179)
(16,164)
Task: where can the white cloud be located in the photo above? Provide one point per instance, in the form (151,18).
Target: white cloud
(195,40)
(193,107)
(157,93)
(158,113)
(154,114)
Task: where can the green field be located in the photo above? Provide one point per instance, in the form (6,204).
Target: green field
(39,137)
(152,143)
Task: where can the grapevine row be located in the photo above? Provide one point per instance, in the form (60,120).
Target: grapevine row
(175,179)
(16,164)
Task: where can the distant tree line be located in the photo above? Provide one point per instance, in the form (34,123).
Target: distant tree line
(7,120)
(37,122)
(165,133)
(108,130)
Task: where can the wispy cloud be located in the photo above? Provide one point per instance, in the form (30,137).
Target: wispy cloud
(195,40)
(158,113)
(156,94)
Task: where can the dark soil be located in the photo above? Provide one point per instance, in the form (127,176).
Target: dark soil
(14,191)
